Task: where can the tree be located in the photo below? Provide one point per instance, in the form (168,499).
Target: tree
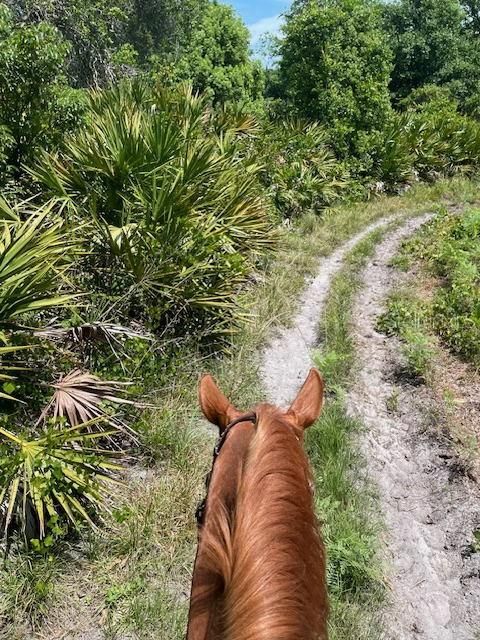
(472,10)
(335,67)
(95,30)
(36,107)
(217,60)
(436,43)
(163,27)
(426,36)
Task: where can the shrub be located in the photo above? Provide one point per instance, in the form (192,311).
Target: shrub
(173,208)
(429,141)
(48,474)
(217,60)
(53,479)
(300,171)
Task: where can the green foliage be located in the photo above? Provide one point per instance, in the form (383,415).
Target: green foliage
(34,256)
(36,107)
(402,311)
(172,205)
(418,351)
(425,34)
(335,68)
(163,28)
(407,318)
(59,477)
(451,247)
(301,172)
(218,60)
(428,141)
(433,43)
(94,29)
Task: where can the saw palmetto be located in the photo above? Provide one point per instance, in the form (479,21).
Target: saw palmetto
(61,475)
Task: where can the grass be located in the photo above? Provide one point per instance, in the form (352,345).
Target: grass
(406,317)
(435,316)
(344,501)
(133,577)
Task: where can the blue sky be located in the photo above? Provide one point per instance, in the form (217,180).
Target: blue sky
(261,16)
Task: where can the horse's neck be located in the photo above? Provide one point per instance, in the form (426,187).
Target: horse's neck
(276,586)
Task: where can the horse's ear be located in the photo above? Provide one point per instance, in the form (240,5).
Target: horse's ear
(216,408)
(307,406)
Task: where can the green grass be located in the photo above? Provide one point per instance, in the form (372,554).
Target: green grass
(133,577)
(343,498)
(407,317)
(449,249)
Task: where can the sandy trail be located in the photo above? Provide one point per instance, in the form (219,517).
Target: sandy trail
(430,507)
(286,360)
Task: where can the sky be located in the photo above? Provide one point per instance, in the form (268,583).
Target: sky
(261,16)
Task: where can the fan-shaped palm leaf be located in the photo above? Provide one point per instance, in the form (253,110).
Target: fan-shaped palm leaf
(80,397)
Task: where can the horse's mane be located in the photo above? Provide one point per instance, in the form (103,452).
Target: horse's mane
(268,551)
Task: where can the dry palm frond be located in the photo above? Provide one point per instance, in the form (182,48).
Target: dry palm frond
(92,331)
(79,396)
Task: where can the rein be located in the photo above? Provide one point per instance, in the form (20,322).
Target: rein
(249,417)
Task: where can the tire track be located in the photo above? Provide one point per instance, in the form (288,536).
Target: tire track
(430,509)
(286,360)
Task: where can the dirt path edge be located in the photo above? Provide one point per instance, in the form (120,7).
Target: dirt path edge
(430,508)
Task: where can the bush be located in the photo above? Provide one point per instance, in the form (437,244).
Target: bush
(36,106)
(217,61)
(430,140)
(172,205)
(301,172)
(53,479)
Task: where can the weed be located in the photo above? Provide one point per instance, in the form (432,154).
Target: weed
(392,402)
(419,353)
(407,318)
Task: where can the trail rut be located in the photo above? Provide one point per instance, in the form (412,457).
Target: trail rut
(286,360)
(430,507)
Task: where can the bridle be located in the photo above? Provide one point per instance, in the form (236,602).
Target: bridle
(249,417)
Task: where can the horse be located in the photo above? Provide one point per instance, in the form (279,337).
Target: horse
(259,572)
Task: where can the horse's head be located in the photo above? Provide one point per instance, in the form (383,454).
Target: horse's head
(258,521)
(237,430)
(303,412)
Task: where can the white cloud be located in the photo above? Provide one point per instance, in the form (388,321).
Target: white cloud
(265,25)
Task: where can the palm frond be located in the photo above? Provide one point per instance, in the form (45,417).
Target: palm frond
(80,398)
(62,475)
(34,256)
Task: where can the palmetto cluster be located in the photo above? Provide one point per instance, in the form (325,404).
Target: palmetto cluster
(149,217)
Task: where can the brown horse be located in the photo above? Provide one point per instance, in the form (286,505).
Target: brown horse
(260,567)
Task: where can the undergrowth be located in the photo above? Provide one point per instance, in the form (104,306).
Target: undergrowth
(449,248)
